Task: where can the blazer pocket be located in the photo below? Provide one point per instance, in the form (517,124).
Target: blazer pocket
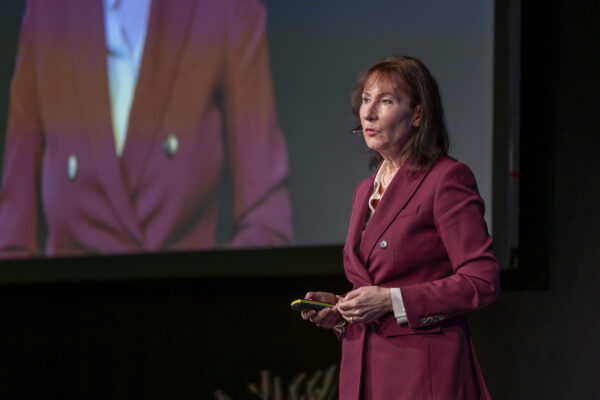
(389,327)
(408,211)
(403,330)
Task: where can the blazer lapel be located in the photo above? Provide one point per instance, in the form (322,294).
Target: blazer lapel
(168,27)
(401,189)
(355,269)
(88,45)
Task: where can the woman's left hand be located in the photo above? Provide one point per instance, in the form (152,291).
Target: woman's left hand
(326,317)
(365,304)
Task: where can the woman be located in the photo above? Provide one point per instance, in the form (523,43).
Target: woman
(418,253)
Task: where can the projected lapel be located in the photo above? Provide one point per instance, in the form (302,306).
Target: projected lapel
(88,48)
(168,27)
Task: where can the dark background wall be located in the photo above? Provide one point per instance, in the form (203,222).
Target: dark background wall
(542,343)
(158,340)
(182,336)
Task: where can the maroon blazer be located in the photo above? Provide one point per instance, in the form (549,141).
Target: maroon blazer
(200,58)
(427,237)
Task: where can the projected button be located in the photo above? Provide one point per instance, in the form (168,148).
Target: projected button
(383,244)
(171,145)
(72,167)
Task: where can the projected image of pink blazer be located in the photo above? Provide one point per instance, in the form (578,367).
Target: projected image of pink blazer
(201,103)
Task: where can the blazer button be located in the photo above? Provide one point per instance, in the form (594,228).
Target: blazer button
(171,145)
(72,167)
(383,244)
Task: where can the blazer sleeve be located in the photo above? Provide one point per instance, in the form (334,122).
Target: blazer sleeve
(475,278)
(23,151)
(256,148)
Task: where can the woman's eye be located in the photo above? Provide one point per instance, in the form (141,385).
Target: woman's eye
(365,100)
(386,101)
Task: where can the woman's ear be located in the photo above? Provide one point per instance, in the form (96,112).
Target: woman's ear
(416,122)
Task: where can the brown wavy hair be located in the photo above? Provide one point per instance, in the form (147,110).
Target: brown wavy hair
(409,74)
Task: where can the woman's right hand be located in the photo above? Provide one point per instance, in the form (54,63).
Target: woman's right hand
(327,317)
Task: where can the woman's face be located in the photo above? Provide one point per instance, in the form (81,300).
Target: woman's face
(387,118)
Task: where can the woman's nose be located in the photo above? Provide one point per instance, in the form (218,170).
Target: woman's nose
(370,113)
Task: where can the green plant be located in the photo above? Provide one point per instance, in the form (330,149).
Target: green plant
(321,385)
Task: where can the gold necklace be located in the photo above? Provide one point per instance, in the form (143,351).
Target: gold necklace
(384,174)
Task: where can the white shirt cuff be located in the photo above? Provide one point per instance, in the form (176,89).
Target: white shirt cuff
(398,306)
